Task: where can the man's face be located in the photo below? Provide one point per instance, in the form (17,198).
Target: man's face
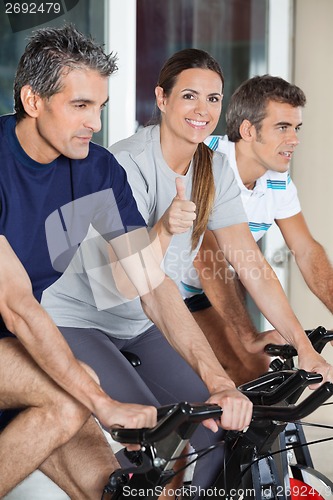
(65,123)
(277,139)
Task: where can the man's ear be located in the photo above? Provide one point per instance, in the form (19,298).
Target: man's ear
(247,131)
(30,101)
(160,97)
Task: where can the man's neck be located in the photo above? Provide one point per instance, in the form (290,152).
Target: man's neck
(30,142)
(249,169)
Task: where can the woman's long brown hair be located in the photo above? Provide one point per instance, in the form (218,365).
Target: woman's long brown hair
(203,188)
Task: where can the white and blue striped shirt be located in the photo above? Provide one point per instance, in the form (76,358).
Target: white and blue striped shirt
(273,197)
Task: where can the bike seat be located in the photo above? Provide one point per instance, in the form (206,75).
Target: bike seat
(132,358)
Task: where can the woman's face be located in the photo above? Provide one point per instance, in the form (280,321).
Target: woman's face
(192,110)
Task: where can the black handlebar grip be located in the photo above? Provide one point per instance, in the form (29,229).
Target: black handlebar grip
(294,413)
(170,418)
(319,337)
(289,382)
(128,436)
(286,351)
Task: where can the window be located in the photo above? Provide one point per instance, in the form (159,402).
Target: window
(83,13)
(233,31)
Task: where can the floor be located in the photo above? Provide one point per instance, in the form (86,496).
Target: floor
(38,487)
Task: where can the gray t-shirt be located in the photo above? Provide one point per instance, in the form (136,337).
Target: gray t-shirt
(71,301)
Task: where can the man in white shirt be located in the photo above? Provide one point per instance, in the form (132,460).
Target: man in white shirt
(263,119)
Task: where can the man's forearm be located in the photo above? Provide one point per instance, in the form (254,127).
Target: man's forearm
(44,342)
(220,284)
(317,271)
(270,298)
(34,328)
(240,249)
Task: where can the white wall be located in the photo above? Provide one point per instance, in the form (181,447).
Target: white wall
(313,163)
(279,63)
(121,17)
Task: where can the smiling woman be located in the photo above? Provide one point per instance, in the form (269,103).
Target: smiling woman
(188,113)
(189,95)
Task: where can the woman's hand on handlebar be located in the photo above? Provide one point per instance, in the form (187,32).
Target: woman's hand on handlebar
(237,410)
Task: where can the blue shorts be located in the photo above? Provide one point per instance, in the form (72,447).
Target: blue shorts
(6,416)
(4,335)
(197,302)
(3,330)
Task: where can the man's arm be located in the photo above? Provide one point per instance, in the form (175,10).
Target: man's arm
(26,318)
(221,285)
(262,283)
(219,282)
(310,257)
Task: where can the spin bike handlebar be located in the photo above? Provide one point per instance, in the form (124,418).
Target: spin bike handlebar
(274,387)
(169,418)
(173,417)
(319,337)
